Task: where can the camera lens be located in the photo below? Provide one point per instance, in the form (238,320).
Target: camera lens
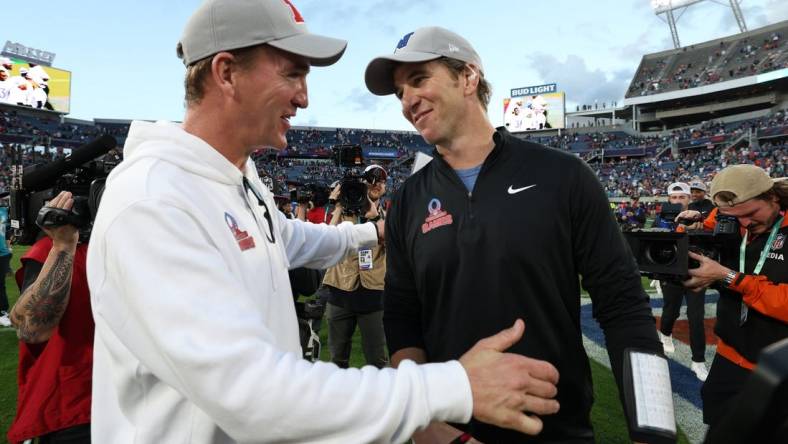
(662,252)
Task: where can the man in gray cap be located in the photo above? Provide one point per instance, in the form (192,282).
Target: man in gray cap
(699,201)
(494,229)
(752,311)
(196,334)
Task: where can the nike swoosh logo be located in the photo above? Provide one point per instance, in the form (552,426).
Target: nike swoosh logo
(517,190)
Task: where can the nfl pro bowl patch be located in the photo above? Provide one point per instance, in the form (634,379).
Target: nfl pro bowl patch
(436,217)
(245,241)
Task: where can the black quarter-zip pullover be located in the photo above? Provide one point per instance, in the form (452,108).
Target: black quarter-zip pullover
(462,266)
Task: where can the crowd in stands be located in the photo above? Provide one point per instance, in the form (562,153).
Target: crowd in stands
(704,64)
(650,177)
(596,106)
(308,156)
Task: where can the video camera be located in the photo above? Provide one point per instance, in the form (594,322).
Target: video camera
(663,254)
(353,194)
(312,192)
(80,173)
(348,155)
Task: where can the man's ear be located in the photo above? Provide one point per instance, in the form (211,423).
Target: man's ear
(472,78)
(223,70)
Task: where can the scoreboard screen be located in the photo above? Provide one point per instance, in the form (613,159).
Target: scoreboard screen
(27,84)
(534,108)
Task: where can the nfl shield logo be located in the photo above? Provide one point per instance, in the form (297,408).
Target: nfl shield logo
(779,242)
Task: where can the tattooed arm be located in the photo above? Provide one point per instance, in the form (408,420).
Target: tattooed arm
(41,306)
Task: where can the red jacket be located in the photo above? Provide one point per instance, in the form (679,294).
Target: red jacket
(318,215)
(55,376)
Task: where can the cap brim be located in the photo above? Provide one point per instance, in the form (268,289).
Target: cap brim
(379,75)
(320,50)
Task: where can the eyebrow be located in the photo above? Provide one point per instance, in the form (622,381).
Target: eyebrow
(305,67)
(416,72)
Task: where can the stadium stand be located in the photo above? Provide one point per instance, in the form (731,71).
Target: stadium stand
(755,52)
(627,164)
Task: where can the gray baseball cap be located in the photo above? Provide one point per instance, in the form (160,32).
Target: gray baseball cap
(697,185)
(421,45)
(223,25)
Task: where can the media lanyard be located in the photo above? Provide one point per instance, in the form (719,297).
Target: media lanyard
(742,251)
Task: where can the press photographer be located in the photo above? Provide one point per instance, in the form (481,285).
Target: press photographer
(356,284)
(673,293)
(82,172)
(313,202)
(53,315)
(752,311)
(662,252)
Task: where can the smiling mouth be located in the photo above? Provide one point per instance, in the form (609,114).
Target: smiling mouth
(419,116)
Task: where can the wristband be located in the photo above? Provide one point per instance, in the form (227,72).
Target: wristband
(730,277)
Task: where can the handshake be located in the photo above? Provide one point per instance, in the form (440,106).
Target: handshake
(509,390)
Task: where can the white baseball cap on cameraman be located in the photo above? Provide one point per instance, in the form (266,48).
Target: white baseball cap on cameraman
(678,188)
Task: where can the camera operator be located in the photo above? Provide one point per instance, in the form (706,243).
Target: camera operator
(673,294)
(312,204)
(55,326)
(284,205)
(752,311)
(356,283)
(318,209)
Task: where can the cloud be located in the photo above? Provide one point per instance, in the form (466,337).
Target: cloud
(362,100)
(581,84)
(649,41)
(772,12)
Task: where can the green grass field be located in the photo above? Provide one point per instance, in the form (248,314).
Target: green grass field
(9,355)
(607,415)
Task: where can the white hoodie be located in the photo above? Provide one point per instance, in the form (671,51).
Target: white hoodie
(196,334)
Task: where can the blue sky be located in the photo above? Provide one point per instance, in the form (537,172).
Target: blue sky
(123,63)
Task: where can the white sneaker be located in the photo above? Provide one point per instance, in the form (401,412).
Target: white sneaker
(4,320)
(700,370)
(667,342)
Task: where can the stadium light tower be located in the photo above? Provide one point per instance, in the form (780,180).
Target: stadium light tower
(667,7)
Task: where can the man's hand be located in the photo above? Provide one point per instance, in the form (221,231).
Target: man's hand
(334,196)
(504,385)
(708,273)
(65,235)
(373,212)
(687,215)
(300,211)
(381,224)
